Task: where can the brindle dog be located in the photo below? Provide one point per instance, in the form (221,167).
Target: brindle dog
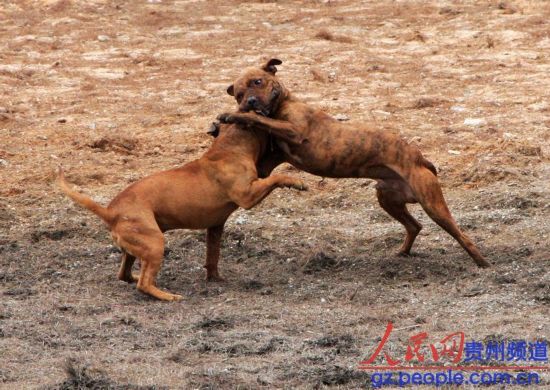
(313,141)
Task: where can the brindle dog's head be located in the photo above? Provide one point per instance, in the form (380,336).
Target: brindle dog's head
(259,90)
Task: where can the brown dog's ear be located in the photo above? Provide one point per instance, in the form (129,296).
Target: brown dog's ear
(231,90)
(270,65)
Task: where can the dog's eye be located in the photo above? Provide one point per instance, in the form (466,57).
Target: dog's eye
(258,81)
(240,97)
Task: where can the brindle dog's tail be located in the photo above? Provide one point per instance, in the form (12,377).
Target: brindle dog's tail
(82,199)
(422,161)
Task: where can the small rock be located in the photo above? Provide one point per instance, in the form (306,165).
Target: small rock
(263,381)
(426,102)
(391,84)
(455,152)
(185,149)
(332,76)
(505,279)
(508,136)
(458,108)
(3,163)
(474,292)
(92,126)
(449,130)
(266,291)
(449,11)
(267,235)
(320,76)
(319,262)
(240,220)
(506,8)
(42,137)
(380,112)
(376,68)
(102,38)
(62,120)
(342,117)
(540,106)
(475,122)
(529,150)
(420,320)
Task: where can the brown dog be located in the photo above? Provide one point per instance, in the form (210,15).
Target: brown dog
(199,195)
(315,142)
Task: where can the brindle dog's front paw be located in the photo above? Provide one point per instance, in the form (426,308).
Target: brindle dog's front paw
(214,278)
(226,118)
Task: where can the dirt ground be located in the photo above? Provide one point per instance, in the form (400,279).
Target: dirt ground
(115,90)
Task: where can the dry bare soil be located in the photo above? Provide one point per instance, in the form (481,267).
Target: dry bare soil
(115,90)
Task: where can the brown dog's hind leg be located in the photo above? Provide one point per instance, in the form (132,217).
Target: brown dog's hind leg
(394,204)
(125,271)
(151,259)
(143,239)
(213,242)
(428,192)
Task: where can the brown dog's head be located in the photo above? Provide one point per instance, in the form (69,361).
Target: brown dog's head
(259,90)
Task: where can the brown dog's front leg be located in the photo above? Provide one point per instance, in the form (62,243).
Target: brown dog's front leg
(213,243)
(248,196)
(280,129)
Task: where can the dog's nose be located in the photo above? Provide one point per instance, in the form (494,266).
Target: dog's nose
(251,101)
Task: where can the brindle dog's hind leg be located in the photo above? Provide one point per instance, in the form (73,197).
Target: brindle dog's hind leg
(393,202)
(428,192)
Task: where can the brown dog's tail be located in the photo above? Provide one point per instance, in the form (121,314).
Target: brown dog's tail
(82,199)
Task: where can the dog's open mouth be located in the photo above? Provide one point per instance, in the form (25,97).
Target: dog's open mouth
(262,112)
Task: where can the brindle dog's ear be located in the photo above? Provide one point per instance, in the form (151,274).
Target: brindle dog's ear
(214,129)
(231,90)
(270,65)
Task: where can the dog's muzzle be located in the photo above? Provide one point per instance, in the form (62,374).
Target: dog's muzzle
(253,104)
